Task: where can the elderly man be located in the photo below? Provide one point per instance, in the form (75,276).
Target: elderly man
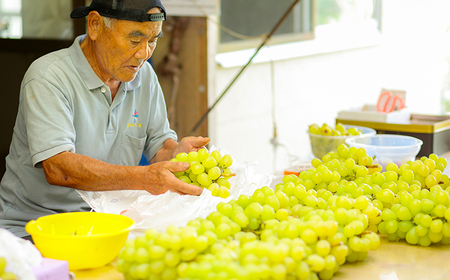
(86,116)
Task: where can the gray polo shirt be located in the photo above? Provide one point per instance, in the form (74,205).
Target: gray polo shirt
(64,106)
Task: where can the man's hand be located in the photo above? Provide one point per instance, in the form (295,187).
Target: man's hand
(85,173)
(89,174)
(189,144)
(171,148)
(160,179)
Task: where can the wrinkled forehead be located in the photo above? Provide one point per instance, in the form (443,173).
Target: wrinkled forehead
(144,29)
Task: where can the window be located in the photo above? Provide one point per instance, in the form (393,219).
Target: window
(348,19)
(10,19)
(46,19)
(334,11)
(253,18)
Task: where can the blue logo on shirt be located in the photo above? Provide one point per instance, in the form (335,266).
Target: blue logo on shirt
(135,115)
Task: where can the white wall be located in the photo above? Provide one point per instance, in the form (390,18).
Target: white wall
(312,89)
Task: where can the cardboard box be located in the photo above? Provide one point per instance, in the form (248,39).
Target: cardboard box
(51,269)
(433,130)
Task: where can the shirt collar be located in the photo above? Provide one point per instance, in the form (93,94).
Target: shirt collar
(87,73)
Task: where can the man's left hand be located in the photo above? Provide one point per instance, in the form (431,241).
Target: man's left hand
(190,143)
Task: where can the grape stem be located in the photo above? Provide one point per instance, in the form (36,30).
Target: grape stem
(228,175)
(255,231)
(339,244)
(365,232)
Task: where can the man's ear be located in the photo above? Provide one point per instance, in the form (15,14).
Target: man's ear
(95,25)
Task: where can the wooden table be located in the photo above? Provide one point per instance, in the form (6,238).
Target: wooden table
(391,261)
(107,272)
(400,261)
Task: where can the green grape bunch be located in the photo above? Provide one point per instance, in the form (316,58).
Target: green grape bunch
(338,130)
(416,202)
(4,275)
(208,170)
(409,202)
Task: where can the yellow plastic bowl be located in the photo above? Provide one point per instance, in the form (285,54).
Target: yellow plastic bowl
(84,239)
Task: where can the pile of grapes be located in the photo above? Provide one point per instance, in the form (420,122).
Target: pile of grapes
(306,227)
(4,275)
(338,130)
(207,170)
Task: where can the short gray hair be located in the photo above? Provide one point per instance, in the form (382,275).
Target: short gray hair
(109,22)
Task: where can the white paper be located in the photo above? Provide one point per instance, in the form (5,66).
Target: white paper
(20,255)
(160,211)
(369,113)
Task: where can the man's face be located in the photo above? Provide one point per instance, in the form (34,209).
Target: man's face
(123,49)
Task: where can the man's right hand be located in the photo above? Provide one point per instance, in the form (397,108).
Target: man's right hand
(89,174)
(160,179)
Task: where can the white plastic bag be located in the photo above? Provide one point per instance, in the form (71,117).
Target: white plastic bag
(160,211)
(20,255)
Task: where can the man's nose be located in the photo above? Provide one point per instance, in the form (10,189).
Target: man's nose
(144,52)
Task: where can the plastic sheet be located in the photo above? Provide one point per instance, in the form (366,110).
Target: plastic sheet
(160,211)
(20,255)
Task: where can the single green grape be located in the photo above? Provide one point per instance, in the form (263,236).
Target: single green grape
(214,173)
(386,196)
(226,161)
(241,219)
(224,182)
(392,167)
(267,213)
(253,210)
(350,164)
(314,129)
(404,214)
(442,161)
(197,169)
(209,162)
(309,236)
(185,179)
(323,248)
(282,214)
(202,154)
(316,263)
(430,181)
(182,157)
(214,189)
(423,170)
(204,180)
(192,156)
(223,192)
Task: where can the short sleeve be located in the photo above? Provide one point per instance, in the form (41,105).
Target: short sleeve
(49,119)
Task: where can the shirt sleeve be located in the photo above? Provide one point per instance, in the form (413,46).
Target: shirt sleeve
(49,120)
